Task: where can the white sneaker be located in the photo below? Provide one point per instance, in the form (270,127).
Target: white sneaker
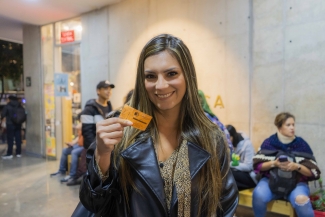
(5,157)
(65,179)
(18,155)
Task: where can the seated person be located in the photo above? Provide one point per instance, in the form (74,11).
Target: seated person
(214,119)
(286,163)
(243,172)
(74,148)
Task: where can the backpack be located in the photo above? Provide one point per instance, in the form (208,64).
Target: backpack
(18,115)
(282,182)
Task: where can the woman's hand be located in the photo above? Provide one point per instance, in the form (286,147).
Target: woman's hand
(288,166)
(109,132)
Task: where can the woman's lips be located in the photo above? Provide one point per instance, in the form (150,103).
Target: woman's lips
(164,96)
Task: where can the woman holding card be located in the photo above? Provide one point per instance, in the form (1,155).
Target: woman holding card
(177,166)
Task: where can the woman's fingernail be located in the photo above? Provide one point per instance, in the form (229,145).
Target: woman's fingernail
(129,122)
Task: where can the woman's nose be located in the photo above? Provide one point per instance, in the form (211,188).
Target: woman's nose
(161,82)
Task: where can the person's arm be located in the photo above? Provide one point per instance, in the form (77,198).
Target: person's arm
(292,166)
(4,112)
(74,141)
(269,165)
(286,166)
(88,127)
(96,192)
(262,161)
(246,158)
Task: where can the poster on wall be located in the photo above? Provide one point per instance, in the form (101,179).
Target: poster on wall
(49,104)
(50,146)
(61,81)
(77,98)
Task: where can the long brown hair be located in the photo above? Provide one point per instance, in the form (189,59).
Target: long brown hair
(194,125)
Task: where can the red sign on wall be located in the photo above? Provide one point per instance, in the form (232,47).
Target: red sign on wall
(67,36)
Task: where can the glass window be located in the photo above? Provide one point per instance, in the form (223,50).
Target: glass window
(68,31)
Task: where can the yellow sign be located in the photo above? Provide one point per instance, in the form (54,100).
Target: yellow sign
(219,102)
(50,146)
(49,106)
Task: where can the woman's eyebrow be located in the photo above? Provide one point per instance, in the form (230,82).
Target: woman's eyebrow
(167,70)
(170,69)
(149,71)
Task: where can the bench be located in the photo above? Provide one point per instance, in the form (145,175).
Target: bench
(275,206)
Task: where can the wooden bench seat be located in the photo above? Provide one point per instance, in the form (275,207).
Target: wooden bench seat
(275,206)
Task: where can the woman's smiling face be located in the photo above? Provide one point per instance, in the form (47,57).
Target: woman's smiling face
(164,81)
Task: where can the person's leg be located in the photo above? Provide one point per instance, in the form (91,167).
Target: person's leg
(82,168)
(243,179)
(3,135)
(75,159)
(261,196)
(299,199)
(64,159)
(17,134)
(10,138)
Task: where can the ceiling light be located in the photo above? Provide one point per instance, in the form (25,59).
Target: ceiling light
(71,83)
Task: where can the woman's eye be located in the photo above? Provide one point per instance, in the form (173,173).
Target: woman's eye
(149,76)
(172,74)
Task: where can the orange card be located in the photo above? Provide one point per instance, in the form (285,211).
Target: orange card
(140,120)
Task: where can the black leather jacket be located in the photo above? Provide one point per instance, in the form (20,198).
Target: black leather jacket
(106,199)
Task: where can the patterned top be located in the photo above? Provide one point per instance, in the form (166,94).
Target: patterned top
(176,171)
(167,170)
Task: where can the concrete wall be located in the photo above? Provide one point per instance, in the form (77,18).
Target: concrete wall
(94,51)
(261,57)
(216,32)
(288,69)
(33,94)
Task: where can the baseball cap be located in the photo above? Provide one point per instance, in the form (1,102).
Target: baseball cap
(104,84)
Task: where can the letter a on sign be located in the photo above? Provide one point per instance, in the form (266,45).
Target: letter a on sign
(219,102)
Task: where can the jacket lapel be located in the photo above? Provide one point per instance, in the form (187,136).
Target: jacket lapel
(142,158)
(197,159)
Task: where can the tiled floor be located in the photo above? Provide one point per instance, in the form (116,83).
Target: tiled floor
(26,190)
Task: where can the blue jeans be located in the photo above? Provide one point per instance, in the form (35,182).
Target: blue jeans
(75,151)
(262,195)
